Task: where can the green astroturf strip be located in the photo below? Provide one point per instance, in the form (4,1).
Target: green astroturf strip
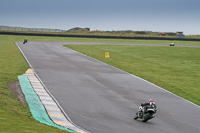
(36,107)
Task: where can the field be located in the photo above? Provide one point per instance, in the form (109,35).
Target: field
(173,68)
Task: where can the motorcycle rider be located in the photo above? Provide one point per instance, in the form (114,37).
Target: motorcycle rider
(25,40)
(143,107)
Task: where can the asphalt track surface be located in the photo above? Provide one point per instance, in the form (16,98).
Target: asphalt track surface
(103,99)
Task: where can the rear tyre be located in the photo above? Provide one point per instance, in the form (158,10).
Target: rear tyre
(146,117)
(135,116)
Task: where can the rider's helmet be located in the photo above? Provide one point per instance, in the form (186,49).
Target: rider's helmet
(151,101)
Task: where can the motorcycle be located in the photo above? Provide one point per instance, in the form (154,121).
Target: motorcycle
(149,113)
(25,41)
(172,44)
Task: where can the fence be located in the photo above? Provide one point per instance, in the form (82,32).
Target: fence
(8,28)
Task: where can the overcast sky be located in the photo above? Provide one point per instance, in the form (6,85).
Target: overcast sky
(140,15)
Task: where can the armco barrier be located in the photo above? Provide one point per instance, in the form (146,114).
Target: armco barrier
(96,36)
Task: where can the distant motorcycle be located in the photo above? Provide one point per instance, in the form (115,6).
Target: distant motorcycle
(25,41)
(146,113)
(172,44)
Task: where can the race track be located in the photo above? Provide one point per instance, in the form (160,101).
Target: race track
(103,99)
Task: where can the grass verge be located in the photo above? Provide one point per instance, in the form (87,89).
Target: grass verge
(176,69)
(15,117)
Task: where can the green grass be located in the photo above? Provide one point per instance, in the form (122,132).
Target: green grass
(176,69)
(15,117)
(74,39)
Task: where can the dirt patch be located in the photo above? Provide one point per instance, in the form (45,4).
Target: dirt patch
(17,92)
